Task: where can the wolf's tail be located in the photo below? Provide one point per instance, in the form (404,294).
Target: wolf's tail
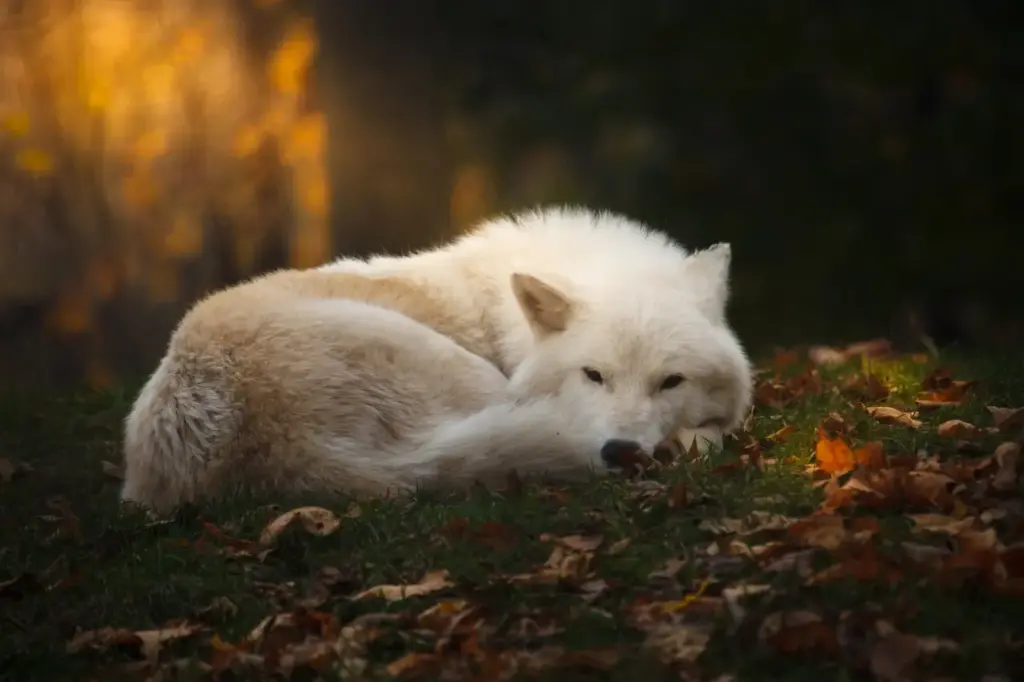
(179,420)
(532,438)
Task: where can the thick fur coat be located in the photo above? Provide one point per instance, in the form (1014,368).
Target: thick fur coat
(535,342)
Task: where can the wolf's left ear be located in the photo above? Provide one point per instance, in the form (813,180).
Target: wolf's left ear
(708,275)
(546,308)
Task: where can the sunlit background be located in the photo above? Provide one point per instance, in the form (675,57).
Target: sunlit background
(863,160)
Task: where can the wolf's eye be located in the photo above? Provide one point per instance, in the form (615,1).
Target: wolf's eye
(671,381)
(593,375)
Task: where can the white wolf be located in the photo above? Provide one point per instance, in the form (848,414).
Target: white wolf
(543,341)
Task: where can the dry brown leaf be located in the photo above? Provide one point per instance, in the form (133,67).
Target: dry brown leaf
(1006,456)
(782,434)
(1007,419)
(958,428)
(735,593)
(826,355)
(892,658)
(865,387)
(941,389)
(820,530)
(220,606)
(618,546)
(578,543)
(668,570)
(678,643)
(791,631)
(940,523)
(431,582)
(891,415)
(678,496)
(415,664)
(314,520)
(441,616)
(755,522)
(149,642)
(800,562)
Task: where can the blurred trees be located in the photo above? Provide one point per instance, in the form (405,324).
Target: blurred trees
(861,157)
(149,156)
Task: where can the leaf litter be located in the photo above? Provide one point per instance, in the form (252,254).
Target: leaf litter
(885,514)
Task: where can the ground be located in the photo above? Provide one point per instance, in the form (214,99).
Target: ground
(829,541)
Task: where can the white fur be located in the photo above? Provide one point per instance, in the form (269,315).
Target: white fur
(443,367)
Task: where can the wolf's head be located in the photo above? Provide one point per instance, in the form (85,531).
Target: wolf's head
(645,358)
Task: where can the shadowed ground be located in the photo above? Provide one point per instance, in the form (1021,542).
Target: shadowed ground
(870,550)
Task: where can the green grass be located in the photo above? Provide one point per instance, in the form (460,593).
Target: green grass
(111,568)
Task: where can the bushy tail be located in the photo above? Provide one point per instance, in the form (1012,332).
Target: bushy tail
(175,425)
(533,438)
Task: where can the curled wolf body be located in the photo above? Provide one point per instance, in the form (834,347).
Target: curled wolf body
(539,342)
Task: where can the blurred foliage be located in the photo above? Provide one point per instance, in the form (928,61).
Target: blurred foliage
(144,155)
(863,158)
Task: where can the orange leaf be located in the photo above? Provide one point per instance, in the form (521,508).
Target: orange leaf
(870,455)
(833,454)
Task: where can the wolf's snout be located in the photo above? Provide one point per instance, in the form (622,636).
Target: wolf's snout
(614,451)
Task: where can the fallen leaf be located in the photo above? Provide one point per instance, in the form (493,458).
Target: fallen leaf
(892,658)
(825,355)
(941,389)
(314,520)
(865,387)
(755,522)
(940,523)
(618,546)
(431,582)
(578,543)
(1007,419)
(678,643)
(220,607)
(782,434)
(834,425)
(834,456)
(819,530)
(777,393)
(735,593)
(668,571)
(890,415)
(441,615)
(1007,454)
(958,428)
(415,664)
(148,642)
(792,631)
(677,496)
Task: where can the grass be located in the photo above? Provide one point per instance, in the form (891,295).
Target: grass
(81,563)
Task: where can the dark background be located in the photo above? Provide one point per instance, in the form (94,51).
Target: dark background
(863,158)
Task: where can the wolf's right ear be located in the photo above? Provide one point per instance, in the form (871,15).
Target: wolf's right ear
(709,278)
(546,308)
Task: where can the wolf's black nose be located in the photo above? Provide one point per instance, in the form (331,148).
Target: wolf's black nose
(614,451)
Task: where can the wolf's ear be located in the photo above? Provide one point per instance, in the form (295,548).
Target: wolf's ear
(708,273)
(546,308)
